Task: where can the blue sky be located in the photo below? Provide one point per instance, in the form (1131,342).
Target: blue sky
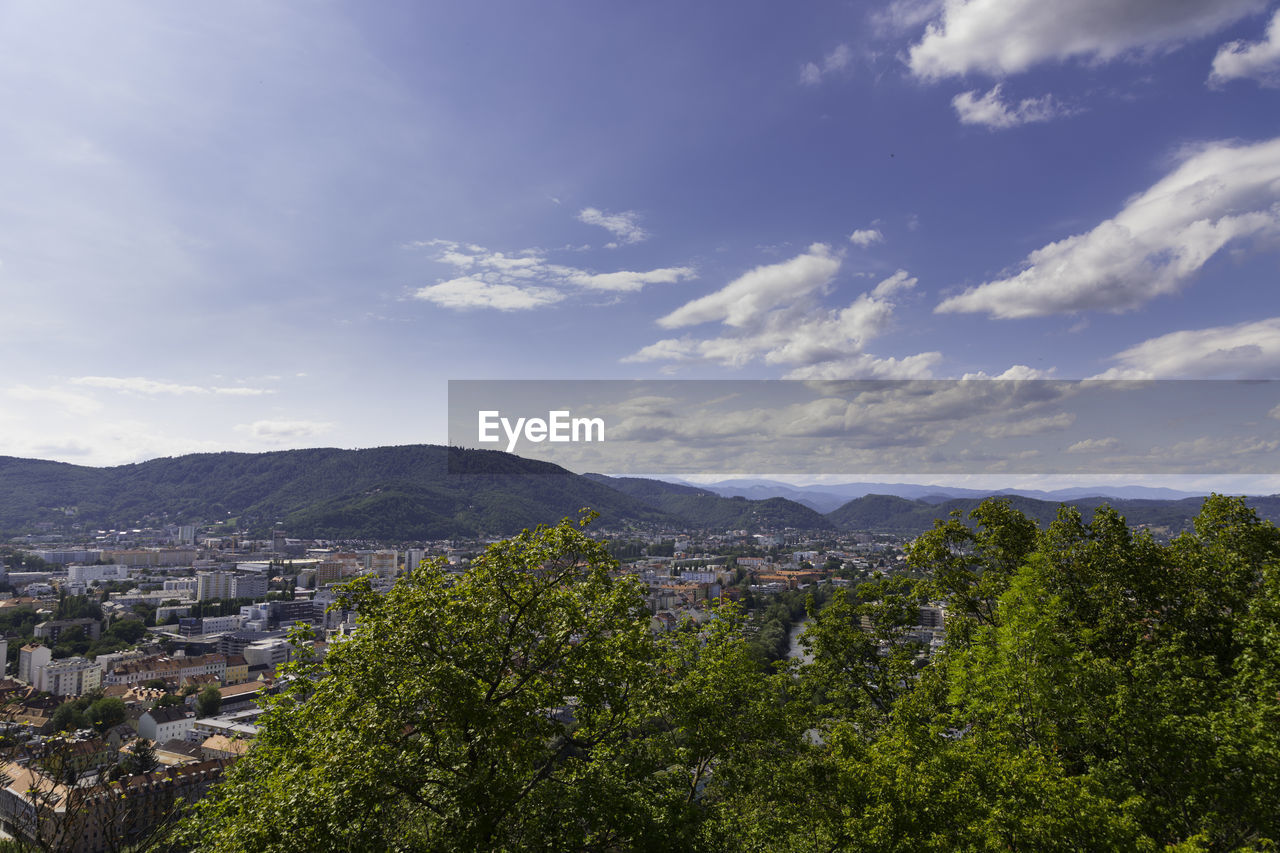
(256,226)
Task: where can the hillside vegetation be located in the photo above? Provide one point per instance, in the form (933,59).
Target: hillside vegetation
(418,492)
(390,493)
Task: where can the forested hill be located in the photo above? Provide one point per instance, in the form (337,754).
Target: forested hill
(890,514)
(705,509)
(387,493)
(430,492)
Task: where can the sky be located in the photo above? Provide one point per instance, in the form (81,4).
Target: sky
(248,226)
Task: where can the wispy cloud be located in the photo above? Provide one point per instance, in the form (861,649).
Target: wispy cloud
(154,387)
(475,293)
(864,237)
(1256,60)
(746,297)
(625,226)
(1094,445)
(525,280)
(284,431)
(1031,426)
(1248,350)
(1221,194)
(838,60)
(70,402)
(1017,371)
(992,111)
(1008,37)
(773,314)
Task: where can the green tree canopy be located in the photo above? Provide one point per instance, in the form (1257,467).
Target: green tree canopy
(209,702)
(1097,690)
(523,704)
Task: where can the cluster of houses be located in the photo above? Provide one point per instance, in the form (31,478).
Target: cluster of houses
(87,790)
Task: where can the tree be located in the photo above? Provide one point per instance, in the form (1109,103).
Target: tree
(461,711)
(523,704)
(68,718)
(140,758)
(863,657)
(209,702)
(169,700)
(1118,679)
(106,713)
(1097,690)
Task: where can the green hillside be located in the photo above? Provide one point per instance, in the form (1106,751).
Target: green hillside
(391,493)
(889,514)
(705,509)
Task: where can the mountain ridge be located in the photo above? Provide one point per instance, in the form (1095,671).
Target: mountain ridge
(416,492)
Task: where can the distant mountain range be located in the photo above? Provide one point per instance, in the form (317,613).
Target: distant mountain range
(417,492)
(825,498)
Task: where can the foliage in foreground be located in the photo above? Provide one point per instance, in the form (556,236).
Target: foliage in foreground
(1098,690)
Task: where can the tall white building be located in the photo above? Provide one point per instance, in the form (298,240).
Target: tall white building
(30,659)
(249,586)
(384,563)
(211,585)
(69,676)
(269,652)
(88,574)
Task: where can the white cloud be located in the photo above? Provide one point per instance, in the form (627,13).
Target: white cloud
(624,280)
(1244,351)
(857,414)
(625,226)
(240,391)
(1162,237)
(1017,371)
(902,16)
(811,73)
(764,287)
(991,111)
(1031,426)
(71,403)
(137,385)
(1216,451)
(524,280)
(1002,37)
(102,439)
(772,314)
(864,237)
(864,366)
(285,431)
(153,387)
(1258,60)
(1274,413)
(1094,445)
(900,280)
(473,293)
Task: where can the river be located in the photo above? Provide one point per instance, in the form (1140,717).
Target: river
(794,649)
